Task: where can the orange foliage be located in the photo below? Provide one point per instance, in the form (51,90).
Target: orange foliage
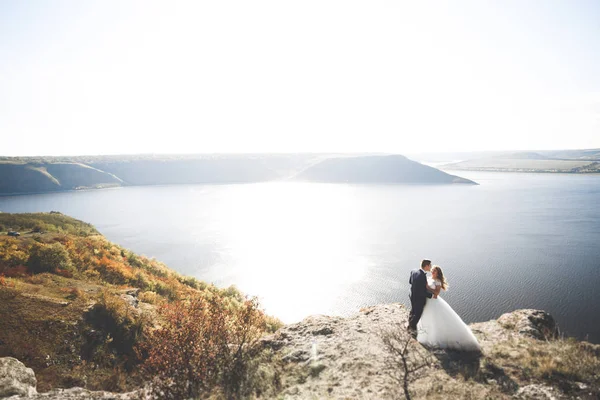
(64,272)
(5,283)
(114,271)
(203,344)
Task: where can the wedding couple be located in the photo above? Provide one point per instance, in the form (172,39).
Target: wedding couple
(431,319)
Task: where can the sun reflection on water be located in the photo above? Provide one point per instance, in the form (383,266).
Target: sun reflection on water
(294,245)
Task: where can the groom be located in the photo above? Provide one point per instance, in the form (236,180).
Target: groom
(418,294)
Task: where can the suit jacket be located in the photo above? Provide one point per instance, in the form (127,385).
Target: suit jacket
(418,284)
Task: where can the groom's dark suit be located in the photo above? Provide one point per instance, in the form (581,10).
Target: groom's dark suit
(418,296)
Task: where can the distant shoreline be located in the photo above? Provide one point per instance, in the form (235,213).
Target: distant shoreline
(515,171)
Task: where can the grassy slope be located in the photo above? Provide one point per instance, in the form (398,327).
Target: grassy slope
(70,326)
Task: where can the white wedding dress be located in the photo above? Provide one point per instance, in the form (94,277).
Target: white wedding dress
(441,327)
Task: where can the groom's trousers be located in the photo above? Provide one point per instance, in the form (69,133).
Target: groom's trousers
(417,304)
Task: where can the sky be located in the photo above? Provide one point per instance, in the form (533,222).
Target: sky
(129,77)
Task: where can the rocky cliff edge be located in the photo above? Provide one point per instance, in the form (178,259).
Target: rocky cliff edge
(358,357)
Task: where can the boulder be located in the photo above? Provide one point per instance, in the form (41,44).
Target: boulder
(16,379)
(537,324)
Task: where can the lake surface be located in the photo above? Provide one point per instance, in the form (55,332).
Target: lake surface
(514,241)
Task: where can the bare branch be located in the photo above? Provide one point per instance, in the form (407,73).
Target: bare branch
(405,357)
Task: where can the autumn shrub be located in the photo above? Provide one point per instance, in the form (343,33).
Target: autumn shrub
(203,346)
(192,282)
(166,289)
(142,281)
(5,283)
(115,272)
(91,274)
(48,258)
(149,297)
(13,253)
(233,292)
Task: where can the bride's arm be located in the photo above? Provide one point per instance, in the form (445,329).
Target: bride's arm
(432,289)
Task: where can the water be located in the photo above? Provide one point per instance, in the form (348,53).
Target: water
(515,241)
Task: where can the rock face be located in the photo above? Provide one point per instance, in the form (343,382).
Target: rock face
(345,358)
(16,378)
(333,357)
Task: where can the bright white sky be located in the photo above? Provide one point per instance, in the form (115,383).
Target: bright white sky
(114,77)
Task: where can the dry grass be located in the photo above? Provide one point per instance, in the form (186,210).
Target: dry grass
(563,360)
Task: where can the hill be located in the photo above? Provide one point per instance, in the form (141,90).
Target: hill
(47,174)
(563,161)
(376,169)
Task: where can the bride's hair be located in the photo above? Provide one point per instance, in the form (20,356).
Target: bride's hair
(440,276)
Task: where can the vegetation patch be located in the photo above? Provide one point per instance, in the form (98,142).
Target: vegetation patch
(82,311)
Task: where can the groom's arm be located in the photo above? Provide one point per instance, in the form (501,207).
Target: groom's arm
(429,291)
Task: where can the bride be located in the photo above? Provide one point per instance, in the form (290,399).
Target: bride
(439,325)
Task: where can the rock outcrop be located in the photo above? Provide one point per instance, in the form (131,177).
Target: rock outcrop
(533,323)
(18,382)
(345,358)
(16,379)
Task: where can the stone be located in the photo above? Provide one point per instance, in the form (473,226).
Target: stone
(16,379)
(537,324)
(129,299)
(537,392)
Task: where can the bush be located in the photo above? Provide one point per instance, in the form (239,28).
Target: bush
(120,324)
(149,297)
(115,272)
(13,253)
(142,281)
(5,283)
(203,346)
(166,289)
(192,282)
(48,258)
